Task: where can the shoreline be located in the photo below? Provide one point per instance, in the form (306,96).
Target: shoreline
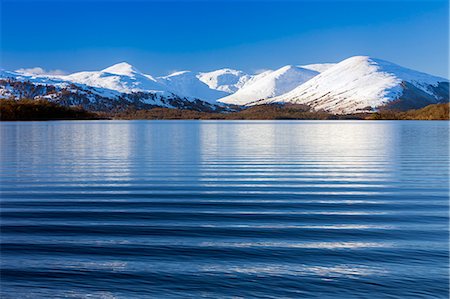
(40,110)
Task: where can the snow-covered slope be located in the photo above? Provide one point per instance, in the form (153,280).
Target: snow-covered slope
(125,78)
(360,82)
(187,84)
(38,79)
(227,80)
(270,84)
(121,77)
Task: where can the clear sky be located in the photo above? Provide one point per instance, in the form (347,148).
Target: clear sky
(160,37)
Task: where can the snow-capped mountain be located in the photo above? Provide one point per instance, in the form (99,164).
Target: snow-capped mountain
(357,84)
(121,77)
(362,83)
(270,84)
(120,86)
(227,80)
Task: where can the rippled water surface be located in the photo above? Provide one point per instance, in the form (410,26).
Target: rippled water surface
(215,209)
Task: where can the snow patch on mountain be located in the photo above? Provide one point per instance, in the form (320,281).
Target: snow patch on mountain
(318,67)
(226,80)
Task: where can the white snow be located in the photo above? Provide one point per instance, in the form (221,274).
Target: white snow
(121,77)
(354,84)
(187,84)
(227,80)
(270,84)
(122,68)
(318,67)
(33,78)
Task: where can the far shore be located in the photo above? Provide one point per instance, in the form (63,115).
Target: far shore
(40,110)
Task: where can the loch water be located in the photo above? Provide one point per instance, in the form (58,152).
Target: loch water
(224,209)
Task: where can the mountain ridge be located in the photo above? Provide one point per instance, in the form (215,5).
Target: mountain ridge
(359,83)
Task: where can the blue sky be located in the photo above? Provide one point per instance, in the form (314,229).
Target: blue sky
(160,37)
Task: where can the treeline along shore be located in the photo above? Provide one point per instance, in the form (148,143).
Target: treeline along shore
(16,110)
(24,110)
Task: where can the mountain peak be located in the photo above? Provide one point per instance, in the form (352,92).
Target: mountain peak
(122,68)
(359,58)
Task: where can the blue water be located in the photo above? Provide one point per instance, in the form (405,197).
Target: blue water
(217,209)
